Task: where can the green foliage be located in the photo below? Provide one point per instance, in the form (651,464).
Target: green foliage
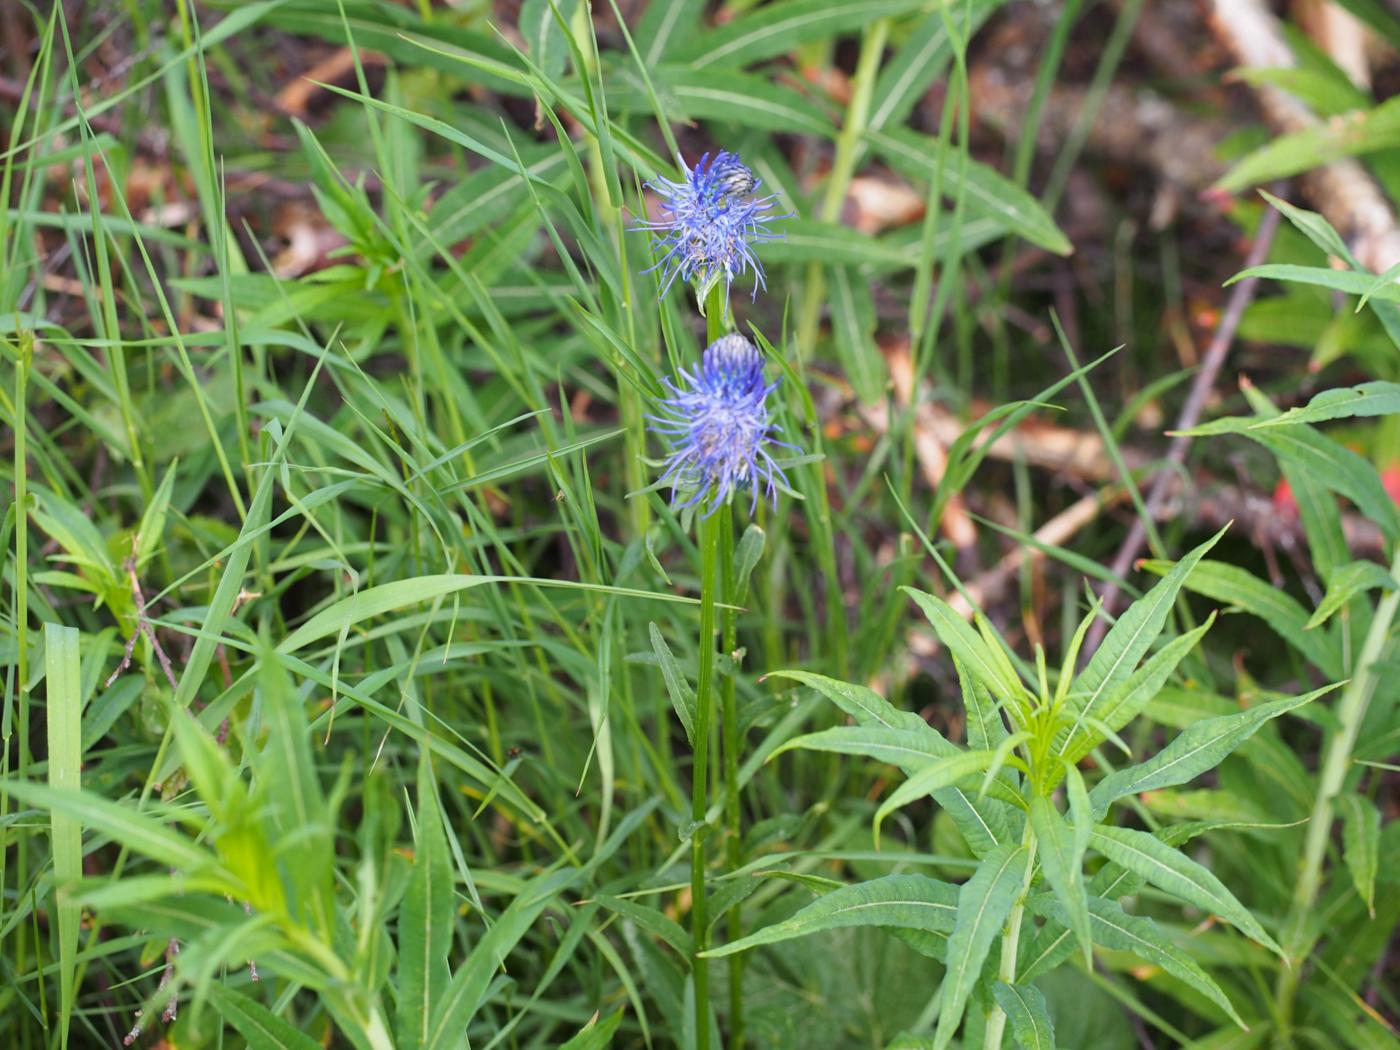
(359,686)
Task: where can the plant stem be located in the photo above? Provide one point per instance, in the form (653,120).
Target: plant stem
(729,717)
(1351,711)
(839,178)
(1010,941)
(709,531)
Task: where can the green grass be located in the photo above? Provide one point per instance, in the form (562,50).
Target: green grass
(407,711)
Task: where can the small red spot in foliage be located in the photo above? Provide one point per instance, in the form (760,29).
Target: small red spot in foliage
(1390,478)
(1285,506)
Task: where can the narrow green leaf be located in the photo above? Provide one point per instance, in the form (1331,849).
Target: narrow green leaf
(967,645)
(1131,637)
(942,773)
(984,903)
(144,834)
(914,902)
(853,329)
(1028,1014)
(774,29)
(1361,844)
(1344,584)
(64,711)
(677,688)
(1201,747)
(425,918)
(1356,133)
(1117,708)
(593,1035)
(987,194)
(1116,929)
(263,1029)
(1179,875)
(467,990)
(910,750)
(1062,861)
(1378,398)
(1281,612)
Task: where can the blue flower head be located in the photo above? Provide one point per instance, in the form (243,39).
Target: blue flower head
(712,221)
(718,427)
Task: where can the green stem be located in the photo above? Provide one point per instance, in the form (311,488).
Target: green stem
(699,786)
(1010,941)
(1351,711)
(839,179)
(729,717)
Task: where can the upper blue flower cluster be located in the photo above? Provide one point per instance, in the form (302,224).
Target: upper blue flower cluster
(718,425)
(712,221)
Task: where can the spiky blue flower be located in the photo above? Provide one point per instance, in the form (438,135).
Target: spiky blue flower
(718,427)
(712,221)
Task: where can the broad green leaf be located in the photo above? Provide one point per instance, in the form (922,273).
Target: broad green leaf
(1028,1015)
(1361,841)
(1129,640)
(1228,583)
(1378,398)
(1344,584)
(984,903)
(677,688)
(63,706)
(1119,707)
(425,918)
(914,902)
(987,194)
(774,29)
(1116,929)
(1062,862)
(262,1029)
(1179,875)
(967,646)
(1201,747)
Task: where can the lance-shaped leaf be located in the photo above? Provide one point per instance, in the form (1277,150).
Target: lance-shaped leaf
(1200,747)
(910,902)
(677,688)
(942,773)
(262,1028)
(1025,1008)
(1062,862)
(986,665)
(1345,583)
(1361,844)
(1116,929)
(984,824)
(984,902)
(1130,638)
(907,749)
(425,918)
(1120,706)
(1179,875)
